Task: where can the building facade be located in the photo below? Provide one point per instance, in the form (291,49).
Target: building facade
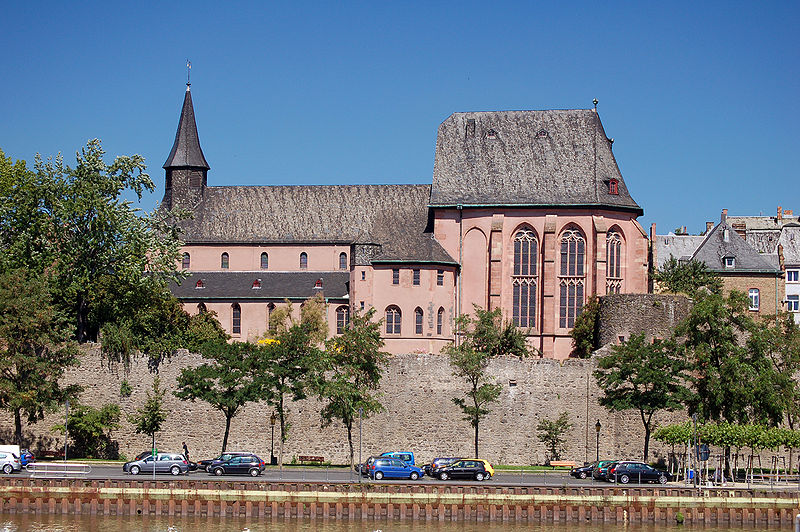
(527,211)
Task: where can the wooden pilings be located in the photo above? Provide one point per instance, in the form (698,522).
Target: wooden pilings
(486,502)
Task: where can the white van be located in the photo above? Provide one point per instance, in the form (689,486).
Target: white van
(13,449)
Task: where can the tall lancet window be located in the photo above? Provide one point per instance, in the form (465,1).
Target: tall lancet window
(613,262)
(524,280)
(572,276)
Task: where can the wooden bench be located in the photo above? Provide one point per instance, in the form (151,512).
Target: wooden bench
(563,463)
(49,454)
(315,459)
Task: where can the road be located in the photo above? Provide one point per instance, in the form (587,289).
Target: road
(338,474)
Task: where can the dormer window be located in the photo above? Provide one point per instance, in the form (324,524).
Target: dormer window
(730,262)
(491,134)
(542,134)
(199,284)
(256,284)
(613,186)
(318,284)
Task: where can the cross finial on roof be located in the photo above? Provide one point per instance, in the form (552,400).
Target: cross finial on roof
(188,73)
(595,102)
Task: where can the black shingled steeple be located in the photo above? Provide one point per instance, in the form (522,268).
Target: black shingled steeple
(186,167)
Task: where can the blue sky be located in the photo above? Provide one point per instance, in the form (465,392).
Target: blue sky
(697,95)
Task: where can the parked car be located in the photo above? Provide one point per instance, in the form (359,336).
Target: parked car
(436,463)
(584,471)
(9,462)
(172,463)
(26,457)
(625,472)
(241,464)
(601,471)
(405,456)
(488,467)
(384,467)
(203,464)
(464,469)
(364,467)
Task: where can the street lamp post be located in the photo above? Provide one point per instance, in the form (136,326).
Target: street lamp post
(272,420)
(597,427)
(360,415)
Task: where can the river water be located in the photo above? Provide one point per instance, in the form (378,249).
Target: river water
(101,523)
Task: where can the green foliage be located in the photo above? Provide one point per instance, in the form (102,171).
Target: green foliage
(125,389)
(227,382)
(35,350)
(552,434)
(732,371)
(352,368)
(687,277)
(90,431)
(642,376)
(151,415)
(723,434)
(585,336)
(483,338)
(313,314)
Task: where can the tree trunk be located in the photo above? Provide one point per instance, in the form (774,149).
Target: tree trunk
(646,441)
(83,320)
(350,442)
(283,431)
(18,426)
(476,438)
(227,430)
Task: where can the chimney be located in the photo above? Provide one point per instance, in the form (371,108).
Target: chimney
(653,232)
(709,227)
(724,217)
(788,212)
(780,214)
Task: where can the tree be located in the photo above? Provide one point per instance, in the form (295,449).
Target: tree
(687,277)
(35,350)
(584,334)
(90,431)
(151,415)
(284,364)
(353,366)
(642,376)
(551,433)
(482,339)
(227,382)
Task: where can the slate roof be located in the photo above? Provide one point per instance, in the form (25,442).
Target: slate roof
(274,285)
(394,216)
(678,246)
(186,151)
(536,158)
(715,248)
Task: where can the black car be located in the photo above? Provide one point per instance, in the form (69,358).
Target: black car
(583,472)
(463,469)
(431,468)
(203,464)
(242,464)
(625,472)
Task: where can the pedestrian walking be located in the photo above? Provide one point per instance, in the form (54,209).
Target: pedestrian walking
(185,451)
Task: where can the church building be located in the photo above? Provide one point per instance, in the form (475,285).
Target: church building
(526,211)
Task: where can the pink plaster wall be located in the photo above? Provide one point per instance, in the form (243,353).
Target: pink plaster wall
(282,258)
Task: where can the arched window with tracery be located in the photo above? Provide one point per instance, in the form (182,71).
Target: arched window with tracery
(236,320)
(440,321)
(418,320)
(393,320)
(343,261)
(524,279)
(264,261)
(613,262)
(342,318)
(271,326)
(186,261)
(572,276)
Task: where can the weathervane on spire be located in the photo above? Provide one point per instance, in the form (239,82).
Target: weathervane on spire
(188,73)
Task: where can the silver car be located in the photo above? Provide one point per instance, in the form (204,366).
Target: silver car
(172,463)
(9,462)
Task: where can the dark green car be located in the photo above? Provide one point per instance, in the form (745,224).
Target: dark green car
(600,472)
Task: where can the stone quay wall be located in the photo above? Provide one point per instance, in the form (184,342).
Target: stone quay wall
(420,415)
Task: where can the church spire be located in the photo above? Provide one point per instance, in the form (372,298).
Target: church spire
(186,151)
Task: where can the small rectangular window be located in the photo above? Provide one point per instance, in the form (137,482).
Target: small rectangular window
(363,276)
(395,276)
(730,262)
(440,277)
(793,303)
(362,305)
(792,276)
(416,277)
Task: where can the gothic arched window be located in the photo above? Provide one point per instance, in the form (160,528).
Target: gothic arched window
(236,321)
(524,279)
(440,321)
(418,320)
(572,276)
(613,262)
(393,320)
(342,318)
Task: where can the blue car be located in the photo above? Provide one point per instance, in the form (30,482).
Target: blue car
(393,468)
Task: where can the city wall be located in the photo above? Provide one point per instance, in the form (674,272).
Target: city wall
(420,415)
